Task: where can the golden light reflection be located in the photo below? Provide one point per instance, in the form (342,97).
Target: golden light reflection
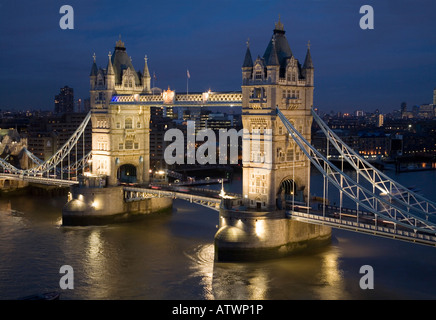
(97,266)
(260,228)
(202,265)
(258,286)
(230,281)
(94,246)
(332,277)
(241,281)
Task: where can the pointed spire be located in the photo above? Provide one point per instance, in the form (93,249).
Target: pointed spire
(94,68)
(308,64)
(119,45)
(110,68)
(273,59)
(146,73)
(248,61)
(279,28)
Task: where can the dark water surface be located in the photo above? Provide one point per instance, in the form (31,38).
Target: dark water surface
(171,256)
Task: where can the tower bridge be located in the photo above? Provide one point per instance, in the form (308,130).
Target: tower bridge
(275,213)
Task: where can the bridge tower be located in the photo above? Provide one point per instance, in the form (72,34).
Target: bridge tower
(120,133)
(275,169)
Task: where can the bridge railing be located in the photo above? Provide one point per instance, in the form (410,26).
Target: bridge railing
(137,194)
(390,232)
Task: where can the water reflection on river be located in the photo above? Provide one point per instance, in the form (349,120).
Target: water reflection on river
(172,257)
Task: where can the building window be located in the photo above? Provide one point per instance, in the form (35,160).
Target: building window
(100,98)
(118,125)
(121,146)
(136,145)
(280,155)
(128,82)
(128,124)
(138,125)
(129,144)
(290,155)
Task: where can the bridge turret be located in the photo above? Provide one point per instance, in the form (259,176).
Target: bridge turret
(272,64)
(247,66)
(110,74)
(146,79)
(93,74)
(308,69)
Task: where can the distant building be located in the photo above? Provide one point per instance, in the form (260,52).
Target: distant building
(79,104)
(360,113)
(43,144)
(434,97)
(380,119)
(86,105)
(47,134)
(159,124)
(374,143)
(426,111)
(64,101)
(217,121)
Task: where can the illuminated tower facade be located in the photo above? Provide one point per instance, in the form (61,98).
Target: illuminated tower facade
(120,133)
(275,170)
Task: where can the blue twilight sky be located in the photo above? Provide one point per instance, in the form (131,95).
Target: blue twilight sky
(354,68)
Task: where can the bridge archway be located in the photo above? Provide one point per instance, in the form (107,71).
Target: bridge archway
(6,184)
(127,173)
(289,191)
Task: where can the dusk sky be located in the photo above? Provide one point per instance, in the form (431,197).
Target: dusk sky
(354,68)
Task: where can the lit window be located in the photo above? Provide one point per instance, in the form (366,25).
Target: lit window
(128,124)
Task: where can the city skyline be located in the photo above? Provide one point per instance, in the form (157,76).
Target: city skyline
(354,68)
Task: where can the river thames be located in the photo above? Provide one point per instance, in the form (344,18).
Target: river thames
(171,257)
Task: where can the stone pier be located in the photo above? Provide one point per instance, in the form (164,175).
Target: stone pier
(251,235)
(93,204)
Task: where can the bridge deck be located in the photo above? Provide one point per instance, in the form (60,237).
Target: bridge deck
(362,224)
(39,180)
(141,193)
